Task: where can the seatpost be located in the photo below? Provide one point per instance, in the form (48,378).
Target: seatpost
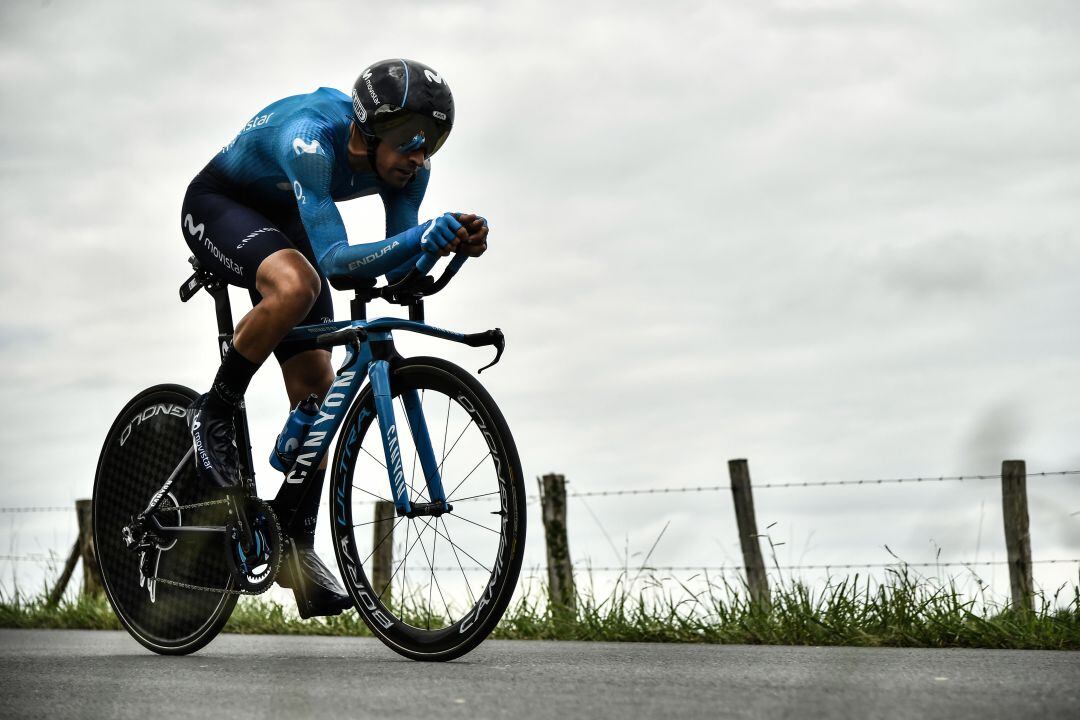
(223,310)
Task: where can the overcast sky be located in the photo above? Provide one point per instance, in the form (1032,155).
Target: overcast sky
(839,239)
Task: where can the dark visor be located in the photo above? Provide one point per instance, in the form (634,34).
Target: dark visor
(407,132)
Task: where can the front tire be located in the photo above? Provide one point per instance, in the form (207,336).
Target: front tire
(464,564)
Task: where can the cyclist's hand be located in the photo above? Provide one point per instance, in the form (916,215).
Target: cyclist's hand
(443,235)
(477,232)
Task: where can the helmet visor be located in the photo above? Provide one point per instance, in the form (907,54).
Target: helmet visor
(407,132)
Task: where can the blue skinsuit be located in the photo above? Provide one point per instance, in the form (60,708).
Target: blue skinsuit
(274,187)
(294,153)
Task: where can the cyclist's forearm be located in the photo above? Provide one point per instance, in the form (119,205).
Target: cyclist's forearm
(370,260)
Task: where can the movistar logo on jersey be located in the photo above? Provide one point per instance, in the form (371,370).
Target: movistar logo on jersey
(300,147)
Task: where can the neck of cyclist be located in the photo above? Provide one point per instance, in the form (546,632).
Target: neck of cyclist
(393,167)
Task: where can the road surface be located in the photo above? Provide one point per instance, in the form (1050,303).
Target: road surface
(94,674)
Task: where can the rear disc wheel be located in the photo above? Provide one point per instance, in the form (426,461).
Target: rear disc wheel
(146,444)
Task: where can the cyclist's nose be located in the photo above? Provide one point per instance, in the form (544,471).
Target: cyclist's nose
(416,158)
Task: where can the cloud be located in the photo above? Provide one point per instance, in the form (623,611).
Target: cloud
(834,238)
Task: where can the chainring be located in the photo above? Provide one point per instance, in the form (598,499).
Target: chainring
(255,570)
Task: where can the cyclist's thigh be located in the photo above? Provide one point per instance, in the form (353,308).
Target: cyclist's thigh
(323,309)
(229,238)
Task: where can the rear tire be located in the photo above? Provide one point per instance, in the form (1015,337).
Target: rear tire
(453,576)
(147,441)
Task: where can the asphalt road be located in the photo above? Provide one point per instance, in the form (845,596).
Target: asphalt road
(88,674)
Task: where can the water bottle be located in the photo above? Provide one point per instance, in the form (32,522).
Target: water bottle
(292,435)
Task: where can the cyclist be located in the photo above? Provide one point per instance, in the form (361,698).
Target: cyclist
(261,215)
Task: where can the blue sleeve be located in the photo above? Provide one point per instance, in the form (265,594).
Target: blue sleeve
(403,213)
(307,156)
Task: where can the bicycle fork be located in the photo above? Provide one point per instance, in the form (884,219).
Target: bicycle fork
(379,374)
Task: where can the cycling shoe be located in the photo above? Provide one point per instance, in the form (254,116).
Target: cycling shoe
(317,590)
(213,434)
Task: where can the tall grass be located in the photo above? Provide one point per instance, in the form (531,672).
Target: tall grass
(904,610)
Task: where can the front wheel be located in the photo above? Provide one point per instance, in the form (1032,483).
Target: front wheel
(431,588)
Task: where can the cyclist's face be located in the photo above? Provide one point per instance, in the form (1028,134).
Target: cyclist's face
(395,167)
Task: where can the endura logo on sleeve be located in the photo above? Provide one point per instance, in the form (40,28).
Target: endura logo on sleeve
(300,147)
(373,256)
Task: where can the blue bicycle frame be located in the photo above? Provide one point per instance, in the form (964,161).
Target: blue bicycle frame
(369,353)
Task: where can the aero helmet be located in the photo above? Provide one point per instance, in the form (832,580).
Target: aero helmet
(404,103)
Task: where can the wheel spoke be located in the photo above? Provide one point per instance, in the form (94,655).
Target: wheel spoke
(389,533)
(446,536)
(416,451)
(434,580)
(486,456)
(459,517)
(468,586)
(372,522)
(404,560)
(401,564)
(476,497)
(377,497)
(373,457)
(447,454)
(446,431)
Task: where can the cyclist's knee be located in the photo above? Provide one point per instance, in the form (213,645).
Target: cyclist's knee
(287,277)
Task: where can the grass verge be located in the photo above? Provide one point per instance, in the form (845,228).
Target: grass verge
(904,611)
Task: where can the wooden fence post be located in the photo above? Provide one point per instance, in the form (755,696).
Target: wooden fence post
(65,577)
(383,543)
(756,580)
(92,585)
(1017,532)
(561,592)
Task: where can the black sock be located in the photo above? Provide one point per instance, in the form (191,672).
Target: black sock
(307,511)
(232,379)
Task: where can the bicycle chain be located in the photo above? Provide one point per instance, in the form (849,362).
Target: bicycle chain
(203,588)
(192,506)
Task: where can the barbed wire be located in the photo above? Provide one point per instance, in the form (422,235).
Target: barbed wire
(806,483)
(827,566)
(693,488)
(40,558)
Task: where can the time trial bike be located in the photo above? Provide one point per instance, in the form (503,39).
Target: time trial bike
(427,516)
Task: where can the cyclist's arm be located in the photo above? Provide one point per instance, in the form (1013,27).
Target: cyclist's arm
(403,213)
(308,162)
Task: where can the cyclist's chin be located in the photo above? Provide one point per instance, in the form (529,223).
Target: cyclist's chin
(399,177)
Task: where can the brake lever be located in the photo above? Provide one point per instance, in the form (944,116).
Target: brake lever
(495,338)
